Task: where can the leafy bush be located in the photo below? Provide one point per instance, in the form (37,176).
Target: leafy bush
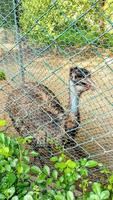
(59,18)
(20,180)
(6,8)
(2,76)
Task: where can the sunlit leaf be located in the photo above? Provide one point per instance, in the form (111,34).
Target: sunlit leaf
(105,195)
(54,159)
(55,174)
(91,163)
(3,122)
(70,195)
(34,153)
(96,188)
(9,192)
(28,197)
(15,198)
(71,164)
(46,170)
(2,196)
(35,170)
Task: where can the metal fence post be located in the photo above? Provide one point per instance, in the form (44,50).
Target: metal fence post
(17,29)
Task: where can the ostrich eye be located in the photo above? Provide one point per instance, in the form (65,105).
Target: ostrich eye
(81,76)
(83,83)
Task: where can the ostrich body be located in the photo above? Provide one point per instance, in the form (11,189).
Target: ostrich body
(36,111)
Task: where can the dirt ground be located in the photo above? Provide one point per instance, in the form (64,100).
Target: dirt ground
(95,134)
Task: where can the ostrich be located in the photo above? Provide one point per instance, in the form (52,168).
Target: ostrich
(36,111)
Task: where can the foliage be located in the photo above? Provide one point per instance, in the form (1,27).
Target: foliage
(5,8)
(64,15)
(44,21)
(20,180)
(2,75)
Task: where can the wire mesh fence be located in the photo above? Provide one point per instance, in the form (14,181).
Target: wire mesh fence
(44,47)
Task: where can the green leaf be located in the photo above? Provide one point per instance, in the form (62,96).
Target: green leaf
(83,161)
(8,167)
(23,184)
(71,164)
(34,153)
(67,170)
(58,184)
(30,193)
(5,151)
(28,197)
(46,170)
(28,139)
(70,195)
(91,163)
(109,187)
(22,192)
(61,158)
(83,172)
(105,171)
(15,198)
(11,177)
(54,159)
(26,159)
(2,122)
(96,188)
(8,180)
(2,196)
(111,179)
(76,176)
(14,162)
(61,179)
(9,192)
(61,165)
(41,179)
(26,168)
(49,181)
(2,138)
(20,168)
(59,197)
(51,192)
(35,170)
(70,179)
(72,188)
(55,174)
(93,197)
(105,195)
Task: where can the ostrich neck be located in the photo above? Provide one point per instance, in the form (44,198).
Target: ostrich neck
(74,99)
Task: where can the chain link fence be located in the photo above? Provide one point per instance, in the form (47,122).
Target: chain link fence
(39,43)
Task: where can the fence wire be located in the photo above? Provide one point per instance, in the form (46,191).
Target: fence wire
(39,44)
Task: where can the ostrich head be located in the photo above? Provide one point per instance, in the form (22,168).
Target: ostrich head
(81,80)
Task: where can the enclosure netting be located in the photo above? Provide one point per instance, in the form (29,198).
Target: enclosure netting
(40,41)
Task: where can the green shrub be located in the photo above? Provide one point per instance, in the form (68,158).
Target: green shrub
(19,180)
(59,18)
(81,27)
(2,76)
(6,8)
